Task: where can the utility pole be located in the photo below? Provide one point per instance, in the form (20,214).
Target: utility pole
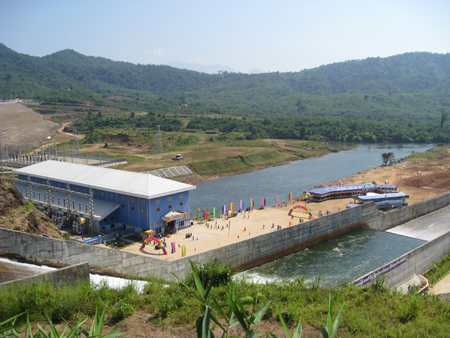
(158,142)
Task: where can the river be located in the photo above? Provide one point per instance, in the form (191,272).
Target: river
(294,177)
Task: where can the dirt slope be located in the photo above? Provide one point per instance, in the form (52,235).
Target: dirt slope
(16,214)
(21,125)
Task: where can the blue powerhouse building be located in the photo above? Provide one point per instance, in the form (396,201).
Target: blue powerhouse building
(110,199)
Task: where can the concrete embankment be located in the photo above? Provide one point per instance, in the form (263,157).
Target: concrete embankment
(243,255)
(68,276)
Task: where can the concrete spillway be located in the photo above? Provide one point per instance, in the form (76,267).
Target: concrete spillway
(427,228)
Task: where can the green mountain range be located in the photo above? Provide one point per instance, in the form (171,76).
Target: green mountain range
(411,86)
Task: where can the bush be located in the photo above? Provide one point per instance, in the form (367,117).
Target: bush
(222,274)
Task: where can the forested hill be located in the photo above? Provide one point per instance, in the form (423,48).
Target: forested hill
(372,86)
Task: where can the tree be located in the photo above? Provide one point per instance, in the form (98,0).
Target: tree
(444,116)
(387,157)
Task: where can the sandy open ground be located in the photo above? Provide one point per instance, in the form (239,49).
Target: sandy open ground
(241,228)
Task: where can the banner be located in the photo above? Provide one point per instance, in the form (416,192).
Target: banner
(183,251)
(290,196)
(224,209)
(252,203)
(263,202)
(241,205)
(381,271)
(206,215)
(276,199)
(173,247)
(214,212)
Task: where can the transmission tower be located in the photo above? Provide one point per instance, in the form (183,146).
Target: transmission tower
(75,145)
(158,142)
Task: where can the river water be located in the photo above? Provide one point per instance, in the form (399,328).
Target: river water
(294,177)
(342,259)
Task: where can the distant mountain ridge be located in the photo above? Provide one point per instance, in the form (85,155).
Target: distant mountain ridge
(27,76)
(211,69)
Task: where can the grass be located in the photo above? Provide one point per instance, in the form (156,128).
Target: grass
(369,311)
(438,270)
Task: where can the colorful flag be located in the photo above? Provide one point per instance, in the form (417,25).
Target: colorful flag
(224,209)
(276,199)
(290,196)
(206,215)
(263,201)
(183,251)
(173,247)
(214,212)
(241,205)
(252,203)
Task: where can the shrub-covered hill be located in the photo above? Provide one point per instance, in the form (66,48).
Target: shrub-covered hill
(367,84)
(16,214)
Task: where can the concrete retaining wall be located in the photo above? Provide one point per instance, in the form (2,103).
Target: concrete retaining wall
(243,255)
(399,216)
(417,261)
(64,276)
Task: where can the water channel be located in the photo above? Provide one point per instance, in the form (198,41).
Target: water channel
(342,259)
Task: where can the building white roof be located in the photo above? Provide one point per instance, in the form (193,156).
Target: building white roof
(112,180)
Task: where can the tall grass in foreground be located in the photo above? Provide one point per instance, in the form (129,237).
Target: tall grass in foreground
(371,311)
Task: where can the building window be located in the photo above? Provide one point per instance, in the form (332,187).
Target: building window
(113,225)
(132,199)
(142,210)
(122,198)
(76,188)
(158,209)
(86,207)
(39,196)
(102,193)
(59,185)
(113,218)
(169,206)
(73,203)
(142,202)
(34,194)
(58,200)
(181,203)
(93,191)
(181,196)
(64,201)
(84,190)
(105,219)
(169,198)
(53,199)
(110,195)
(123,205)
(158,201)
(79,206)
(132,208)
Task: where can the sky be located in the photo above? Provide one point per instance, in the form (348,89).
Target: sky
(278,35)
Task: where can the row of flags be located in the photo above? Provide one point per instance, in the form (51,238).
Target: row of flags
(242,206)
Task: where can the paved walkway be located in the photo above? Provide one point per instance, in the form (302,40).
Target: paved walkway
(443,286)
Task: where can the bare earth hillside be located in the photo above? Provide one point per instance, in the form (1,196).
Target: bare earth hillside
(21,125)
(16,214)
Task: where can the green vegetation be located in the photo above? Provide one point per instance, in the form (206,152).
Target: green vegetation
(438,270)
(394,315)
(412,87)
(9,328)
